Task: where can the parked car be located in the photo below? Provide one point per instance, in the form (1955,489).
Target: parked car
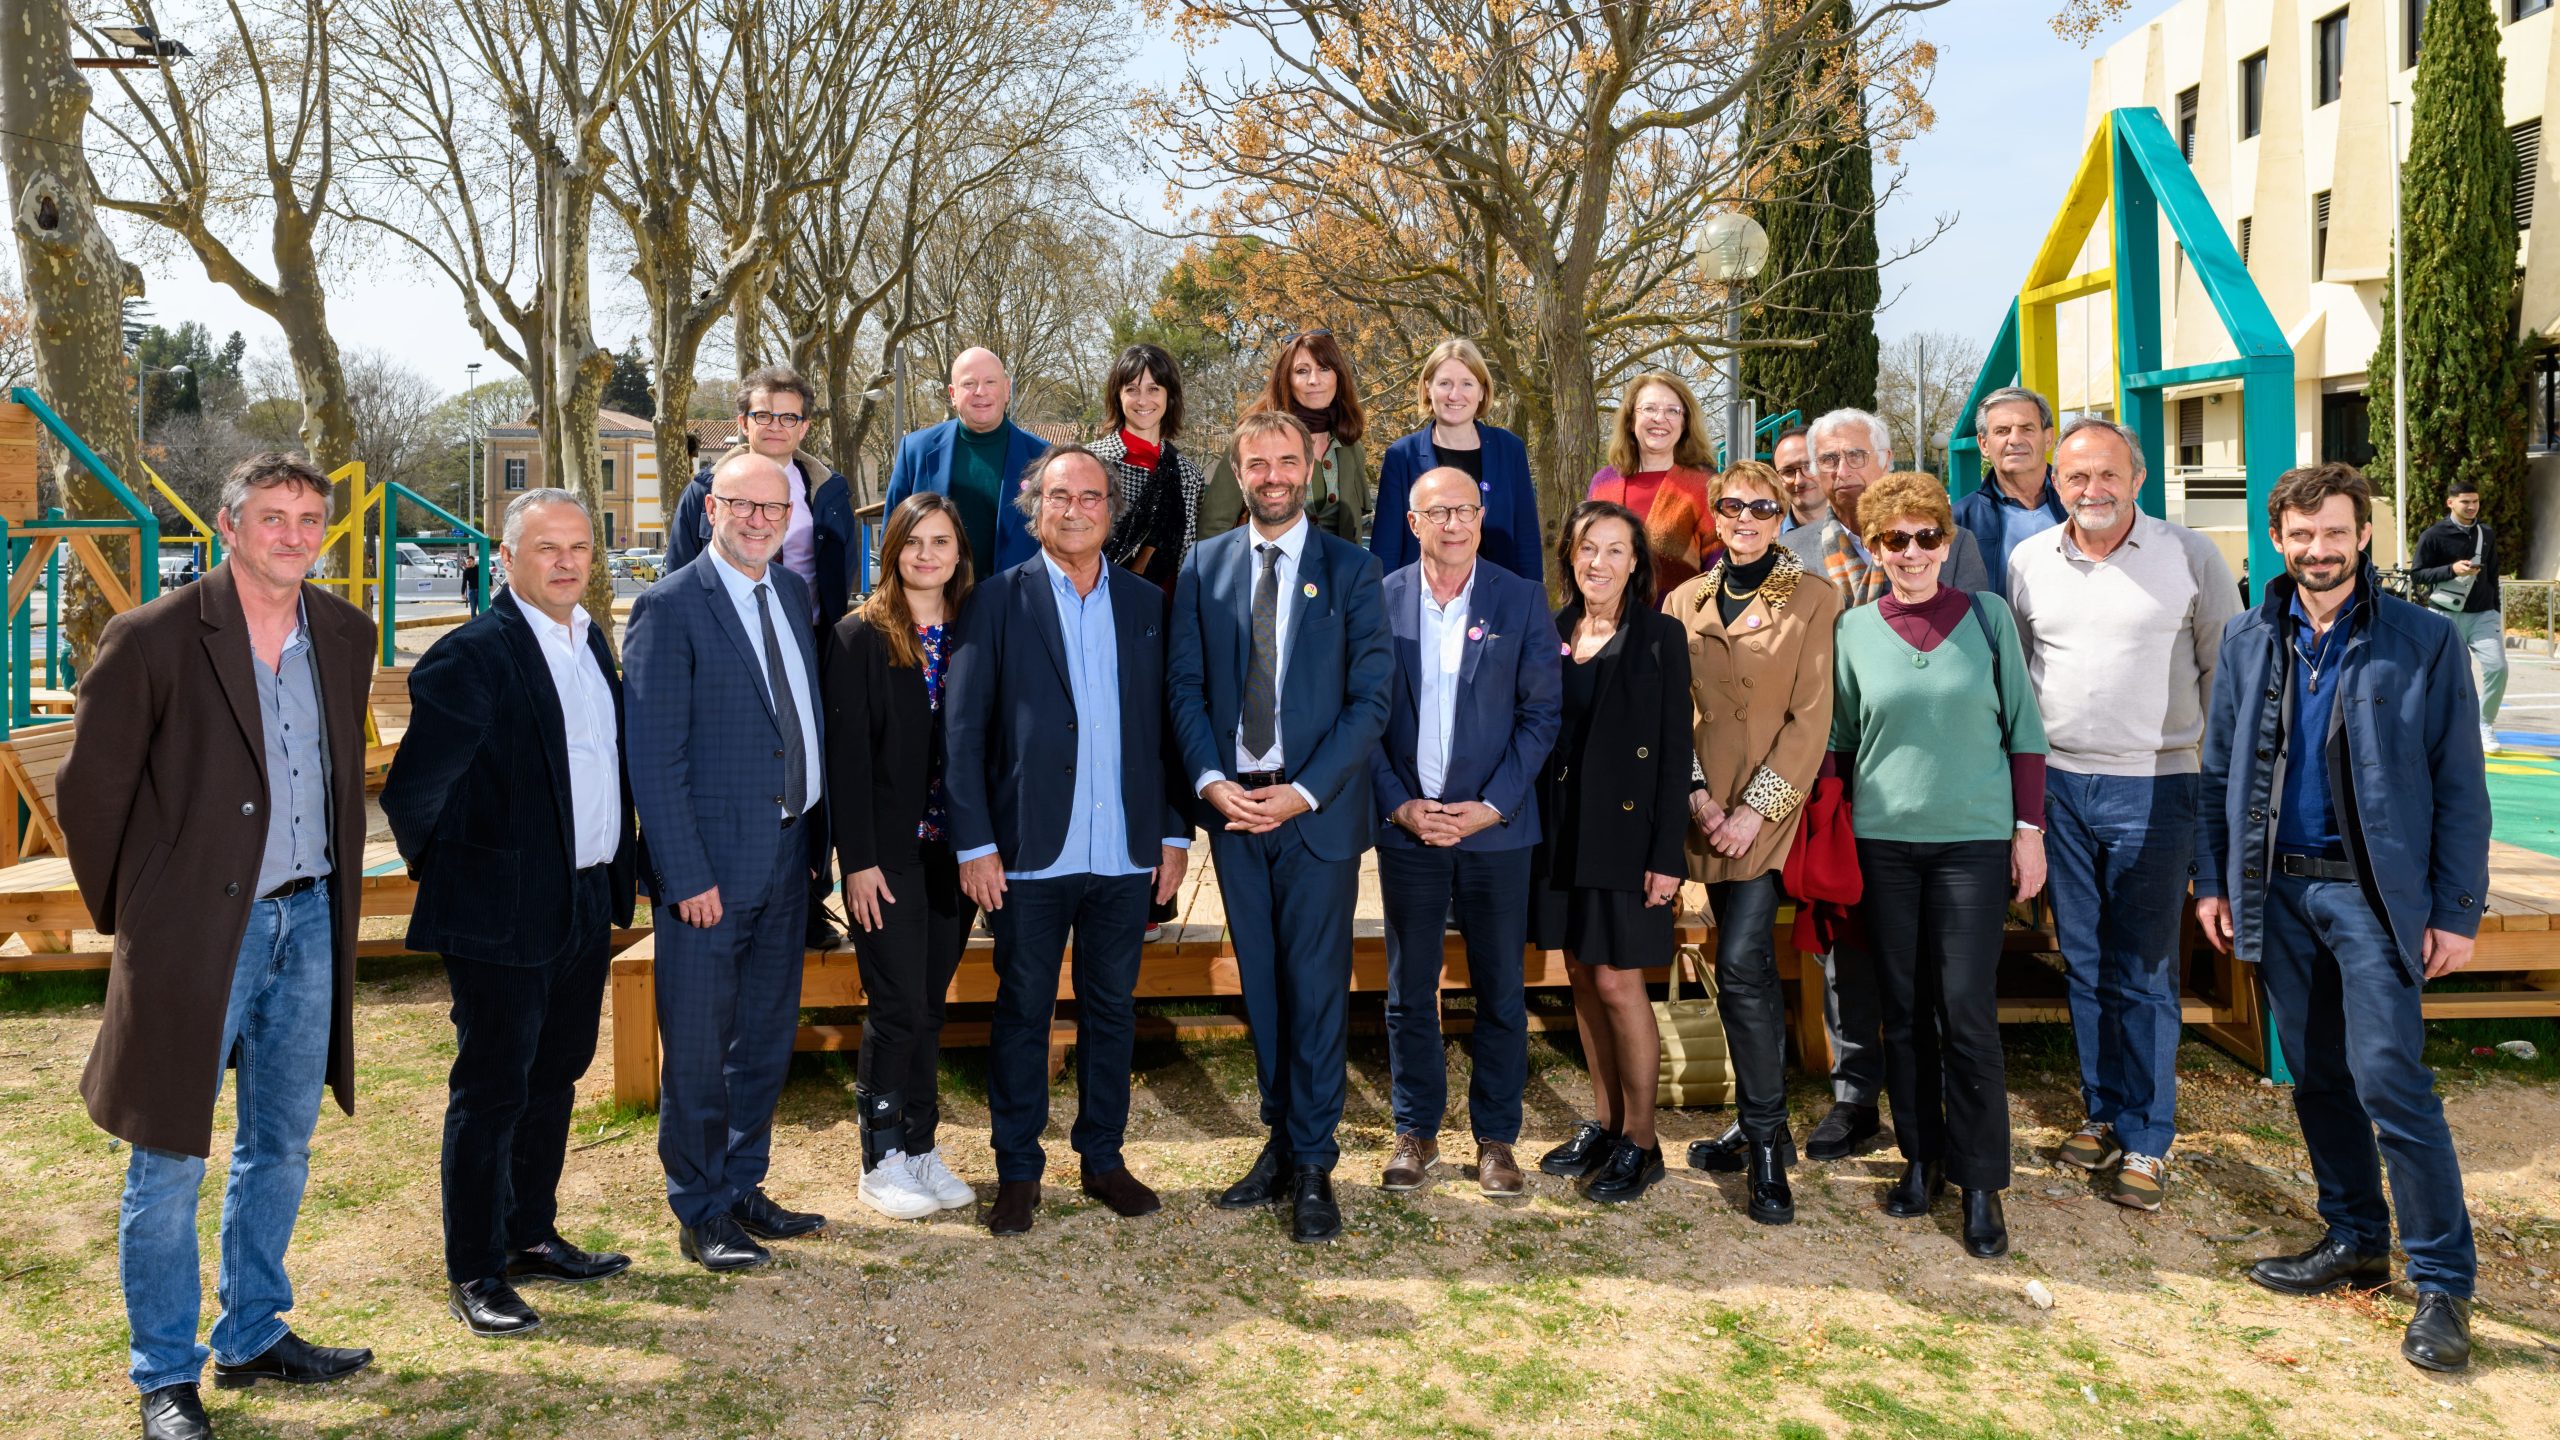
(417,557)
(177,567)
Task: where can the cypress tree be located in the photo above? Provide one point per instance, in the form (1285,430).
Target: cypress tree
(1815,179)
(2465,370)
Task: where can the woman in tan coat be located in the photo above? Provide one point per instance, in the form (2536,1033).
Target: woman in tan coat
(1759,636)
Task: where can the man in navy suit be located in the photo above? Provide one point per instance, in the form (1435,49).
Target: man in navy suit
(1054,728)
(722,696)
(977,457)
(1279,671)
(1474,711)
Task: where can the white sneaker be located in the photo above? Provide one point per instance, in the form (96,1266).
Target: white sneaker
(2488,739)
(890,1187)
(935,1179)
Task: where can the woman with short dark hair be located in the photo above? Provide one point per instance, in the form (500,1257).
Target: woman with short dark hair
(1142,400)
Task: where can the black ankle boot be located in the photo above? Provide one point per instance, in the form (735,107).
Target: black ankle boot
(1922,1182)
(1721,1155)
(881,1116)
(1986,1226)
(1772,1202)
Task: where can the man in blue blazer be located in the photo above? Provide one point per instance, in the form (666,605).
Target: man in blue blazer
(720,688)
(1473,712)
(977,457)
(1279,676)
(1062,821)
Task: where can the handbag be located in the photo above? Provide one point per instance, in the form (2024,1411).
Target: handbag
(2451,595)
(1697,1069)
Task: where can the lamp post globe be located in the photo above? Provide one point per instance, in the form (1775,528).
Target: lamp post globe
(1731,248)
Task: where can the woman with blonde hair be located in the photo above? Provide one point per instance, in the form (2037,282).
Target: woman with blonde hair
(1454,392)
(1660,467)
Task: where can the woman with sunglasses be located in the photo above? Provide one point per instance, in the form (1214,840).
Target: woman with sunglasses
(1759,632)
(1659,467)
(1311,380)
(1454,391)
(1142,400)
(1935,727)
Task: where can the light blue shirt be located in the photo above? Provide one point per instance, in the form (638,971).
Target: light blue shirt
(1443,642)
(1097,840)
(297,747)
(742,594)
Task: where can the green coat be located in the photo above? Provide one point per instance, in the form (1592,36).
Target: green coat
(1222,504)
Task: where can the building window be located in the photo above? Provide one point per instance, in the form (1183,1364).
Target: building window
(2187,100)
(2518,9)
(2253,93)
(2413,23)
(2528,138)
(608,515)
(2191,431)
(2346,431)
(2320,236)
(515,474)
(2544,427)
(2244,241)
(608,475)
(2328,55)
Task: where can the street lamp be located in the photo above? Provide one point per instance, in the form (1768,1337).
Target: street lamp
(471,440)
(1731,248)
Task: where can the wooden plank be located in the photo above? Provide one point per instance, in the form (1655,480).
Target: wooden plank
(633,995)
(31,571)
(84,543)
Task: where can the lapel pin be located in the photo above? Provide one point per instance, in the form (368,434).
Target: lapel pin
(1756,623)
(1475,632)
(1309,590)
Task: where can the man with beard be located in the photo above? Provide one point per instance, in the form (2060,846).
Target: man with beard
(2346,853)
(2121,617)
(2016,499)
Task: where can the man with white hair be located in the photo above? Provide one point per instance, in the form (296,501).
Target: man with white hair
(1852,450)
(977,457)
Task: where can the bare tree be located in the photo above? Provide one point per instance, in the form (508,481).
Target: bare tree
(1921,384)
(17,338)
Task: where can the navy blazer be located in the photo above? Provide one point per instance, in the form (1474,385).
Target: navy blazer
(1510,702)
(1512,539)
(702,741)
(924,465)
(1333,701)
(1009,720)
(831,518)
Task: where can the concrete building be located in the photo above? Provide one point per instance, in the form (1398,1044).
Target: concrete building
(630,514)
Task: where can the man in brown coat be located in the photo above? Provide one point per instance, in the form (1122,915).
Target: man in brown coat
(214,803)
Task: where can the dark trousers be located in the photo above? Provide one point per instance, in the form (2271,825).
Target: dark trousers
(907,966)
(1748,997)
(1853,1011)
(523,1034)
(1490,891)
(1107,915)
(1289,919)
(2346,1012)
(728,1012)
(1933,914)
(2117,848)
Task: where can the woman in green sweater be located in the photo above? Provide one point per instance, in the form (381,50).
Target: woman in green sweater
(1934,725)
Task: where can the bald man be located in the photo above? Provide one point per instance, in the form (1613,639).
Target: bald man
(977,457)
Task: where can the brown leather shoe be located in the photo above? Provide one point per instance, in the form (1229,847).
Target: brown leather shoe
(1496,1172)
(1126,1194)
(1016,1200)
(1409,1167)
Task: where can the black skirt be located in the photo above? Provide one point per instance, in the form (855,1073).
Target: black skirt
(1611,928)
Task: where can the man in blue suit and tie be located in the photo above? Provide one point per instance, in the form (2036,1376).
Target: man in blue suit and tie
(1472,715)
(1063,820)
(720,686)
(977,457)
(1279,674)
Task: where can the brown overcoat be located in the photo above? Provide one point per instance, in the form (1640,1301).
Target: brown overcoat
(163,799)
(1760,695)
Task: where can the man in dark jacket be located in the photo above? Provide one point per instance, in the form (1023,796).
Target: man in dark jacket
(2345,851)
(509,801)
(2457,574)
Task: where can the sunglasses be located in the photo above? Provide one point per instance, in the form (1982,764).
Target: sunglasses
(1894,542)
(1732,507)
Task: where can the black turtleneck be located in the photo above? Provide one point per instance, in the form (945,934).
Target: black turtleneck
(1743,580)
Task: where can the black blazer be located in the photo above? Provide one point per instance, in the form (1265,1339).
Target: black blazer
(478,797)
(884,744)
(1631,776)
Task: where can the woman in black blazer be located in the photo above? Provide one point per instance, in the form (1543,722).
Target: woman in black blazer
(1615,809)
(883,672)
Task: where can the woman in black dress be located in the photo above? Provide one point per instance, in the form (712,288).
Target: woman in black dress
(1614,803)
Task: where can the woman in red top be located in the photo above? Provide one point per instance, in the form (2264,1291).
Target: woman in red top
(1659,466)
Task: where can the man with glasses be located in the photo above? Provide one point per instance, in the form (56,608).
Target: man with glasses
(1852,450)
(1065,821)
(1793,457)
(977,457)
(1476,712)
(819,542)
(720,687)
(2016,499)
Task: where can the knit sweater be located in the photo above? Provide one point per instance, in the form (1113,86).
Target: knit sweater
(1931,734)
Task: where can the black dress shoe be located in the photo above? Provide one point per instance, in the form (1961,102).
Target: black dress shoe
(2439,1336)
(174,1412)
(1986,1225)
(1015,1203)
(823,934)
(491,1308)
(557,1260)
(1721,1155)
(1772,1201)
(1265,1184)
(756,1214)
(720,1245)
(1919,1188)
(293,1361)
(1843,1133)
(1628,1174)
(1312,1214)
(1584,1151)
(1128,1196)
(2329,1265)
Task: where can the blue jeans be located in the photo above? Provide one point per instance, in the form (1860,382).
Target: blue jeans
(282,986)
(2116,850)
(2346,1012)
(1490,888)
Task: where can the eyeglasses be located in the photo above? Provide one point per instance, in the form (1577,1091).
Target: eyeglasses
(1834,459)
(1075,500)
(783,418)
(1661,412)
(1894,542)
(1732,507)
(754,510)
(1797,471)
(1443,514)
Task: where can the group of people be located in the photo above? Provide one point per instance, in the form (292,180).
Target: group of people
(1813,679)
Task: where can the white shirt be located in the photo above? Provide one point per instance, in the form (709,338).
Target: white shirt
(1443,637)
(1293,545)
(742,594)
(800,535)
(586,715)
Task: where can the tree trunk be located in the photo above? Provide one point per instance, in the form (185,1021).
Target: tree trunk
(678,351)
(1573,442)
(573,399)
(76,284)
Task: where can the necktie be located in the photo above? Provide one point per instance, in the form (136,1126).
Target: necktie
(786,712)
(1261,688)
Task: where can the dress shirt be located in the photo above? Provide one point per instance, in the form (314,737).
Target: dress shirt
(586,717)
(1097,840)
(297,749)
(1293,545)
(1443,636)
(2308,823)
(800,535)
(742,595)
